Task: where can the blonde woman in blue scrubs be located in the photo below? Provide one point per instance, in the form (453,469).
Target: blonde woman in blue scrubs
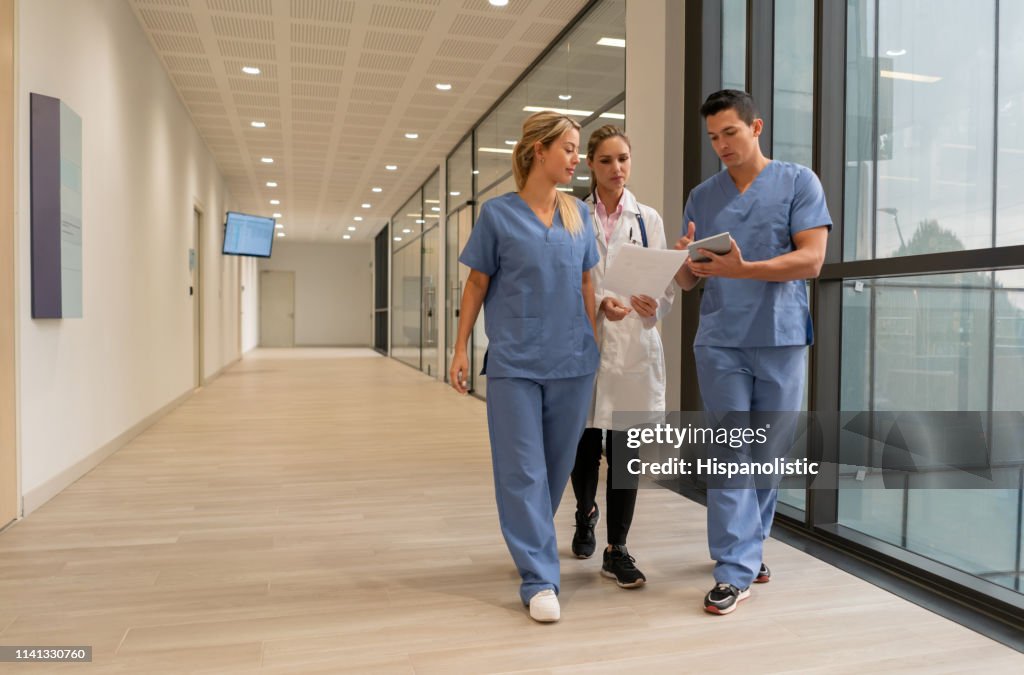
(530,254)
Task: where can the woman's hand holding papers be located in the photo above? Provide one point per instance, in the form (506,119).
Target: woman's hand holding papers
(645,305)
(614,310)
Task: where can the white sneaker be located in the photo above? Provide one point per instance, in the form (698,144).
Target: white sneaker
(544,607)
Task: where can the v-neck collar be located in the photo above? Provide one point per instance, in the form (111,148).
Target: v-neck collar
(536,218)
(734,191)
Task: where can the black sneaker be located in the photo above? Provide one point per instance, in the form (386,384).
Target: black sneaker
(618,565)
(723,598)
(764,575)
(583,542)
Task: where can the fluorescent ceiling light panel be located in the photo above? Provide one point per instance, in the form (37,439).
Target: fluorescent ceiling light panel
(612,42)
(910,77)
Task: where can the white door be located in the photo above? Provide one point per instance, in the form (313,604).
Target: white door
(277,309)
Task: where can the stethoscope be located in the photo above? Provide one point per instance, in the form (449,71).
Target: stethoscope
(639,221)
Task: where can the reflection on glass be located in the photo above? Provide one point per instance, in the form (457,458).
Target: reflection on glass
(460,176)
(578,76)
(929,130)
(430,313)
(1010,158)
(734,44)
(460,224)
(951,342)
(405,304)
(793,86)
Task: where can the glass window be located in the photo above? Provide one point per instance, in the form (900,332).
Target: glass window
(582,75)
(734,44)
(1010,158)
(460,176)
(793,84)
(949,342)
(406,281)
(430,311)
(926,186)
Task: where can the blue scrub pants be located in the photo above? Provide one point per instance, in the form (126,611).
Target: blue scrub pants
(764,379)
(534,427)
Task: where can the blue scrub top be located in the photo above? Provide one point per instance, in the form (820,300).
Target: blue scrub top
(536,324)
(784,199)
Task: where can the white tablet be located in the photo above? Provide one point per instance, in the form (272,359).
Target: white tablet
(719,243)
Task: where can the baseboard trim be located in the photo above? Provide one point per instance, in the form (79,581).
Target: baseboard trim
(35,498)
(220,372)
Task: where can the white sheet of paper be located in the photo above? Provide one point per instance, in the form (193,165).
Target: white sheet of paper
(636,270)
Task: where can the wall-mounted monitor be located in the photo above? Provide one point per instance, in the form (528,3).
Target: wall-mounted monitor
(248,235)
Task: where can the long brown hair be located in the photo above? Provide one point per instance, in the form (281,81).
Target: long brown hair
(545,127)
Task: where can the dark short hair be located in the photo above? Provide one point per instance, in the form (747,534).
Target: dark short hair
(740,101)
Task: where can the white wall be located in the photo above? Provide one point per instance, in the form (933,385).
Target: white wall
(654,122)
(85,383)
(333,285)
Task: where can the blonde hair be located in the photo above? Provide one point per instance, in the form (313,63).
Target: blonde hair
(545,127)
(603,134)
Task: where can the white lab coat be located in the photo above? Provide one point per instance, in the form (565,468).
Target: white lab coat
(631,376)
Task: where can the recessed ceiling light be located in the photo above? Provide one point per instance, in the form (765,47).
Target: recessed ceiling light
(279,226)
(498,3)
(267,160)
(357,218)
(420,221)
(376,189)
(391,167)
(351,228)
(398,239)
(406,230)
(280,234)
(509,141)
(455,193)
(275,202)
(476,172)
(443,86)
(257,124)
(346,236)
(366,206)
(276,215)
(583,178)
(565,97)
(435,208)
(271,183)
(895,52)
(250,70)
(612,42)
(412,136)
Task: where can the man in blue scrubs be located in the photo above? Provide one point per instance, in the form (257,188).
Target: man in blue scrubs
(751,344)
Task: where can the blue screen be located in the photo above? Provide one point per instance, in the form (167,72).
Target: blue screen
(248,235)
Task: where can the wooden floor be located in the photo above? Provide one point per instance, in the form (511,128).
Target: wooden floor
(323,512)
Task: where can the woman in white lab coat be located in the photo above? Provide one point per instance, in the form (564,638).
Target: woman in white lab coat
(631,376)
